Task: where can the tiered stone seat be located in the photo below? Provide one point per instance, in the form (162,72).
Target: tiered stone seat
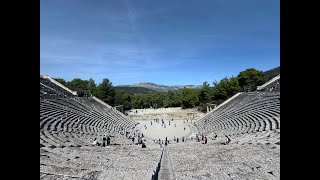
(260,111)
(248,156)
(50,90)
(69,124)
(252,122)
(272,85)
(122,162)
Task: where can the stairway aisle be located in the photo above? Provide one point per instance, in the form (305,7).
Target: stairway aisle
(166,171)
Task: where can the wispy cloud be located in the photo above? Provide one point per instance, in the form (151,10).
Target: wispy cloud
(132,41)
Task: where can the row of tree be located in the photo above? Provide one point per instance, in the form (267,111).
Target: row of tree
(186,98)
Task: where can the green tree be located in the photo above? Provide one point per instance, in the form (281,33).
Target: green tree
(176,99)
(226,88)
(206,93)
(61,81)
(157,99)
(121,97)
(189,98)
(92,87)
(106,92)
(78,85)
(118,100)
(126,105)
(135,101)
(167,99)
(251,77)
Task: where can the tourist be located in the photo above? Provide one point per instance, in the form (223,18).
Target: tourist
(108,140)
(104,141)
(132,140)
(184,128)
(228,140)
(95,142)
(198,138)
(177,140)
(182,139)
(174,138)
(143,145)
(202,137)
(205,140)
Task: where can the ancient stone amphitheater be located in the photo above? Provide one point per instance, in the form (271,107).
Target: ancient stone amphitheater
(68,125)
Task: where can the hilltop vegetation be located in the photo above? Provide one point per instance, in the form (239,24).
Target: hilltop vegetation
(139,97)
(160,88)
(271,73)
(134,90)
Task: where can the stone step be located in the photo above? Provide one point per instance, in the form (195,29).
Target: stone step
(166,171)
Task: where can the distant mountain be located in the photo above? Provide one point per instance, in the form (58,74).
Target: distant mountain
(272,73)
(160,88)
(155,87)
(134,90)
(188,86)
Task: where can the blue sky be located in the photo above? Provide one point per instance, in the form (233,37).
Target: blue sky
(170,42)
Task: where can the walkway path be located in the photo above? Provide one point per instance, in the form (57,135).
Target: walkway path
(166,171)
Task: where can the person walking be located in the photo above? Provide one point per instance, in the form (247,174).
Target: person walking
(104,141)
(108,140)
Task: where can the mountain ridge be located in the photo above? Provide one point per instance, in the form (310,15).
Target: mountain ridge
(153,87)
(159,87)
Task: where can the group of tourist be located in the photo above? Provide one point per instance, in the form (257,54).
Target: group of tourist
(166,142)
(104,140)
(163,124)
(201,137)
(140,137)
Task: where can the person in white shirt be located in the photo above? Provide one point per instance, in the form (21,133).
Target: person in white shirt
(95,142)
